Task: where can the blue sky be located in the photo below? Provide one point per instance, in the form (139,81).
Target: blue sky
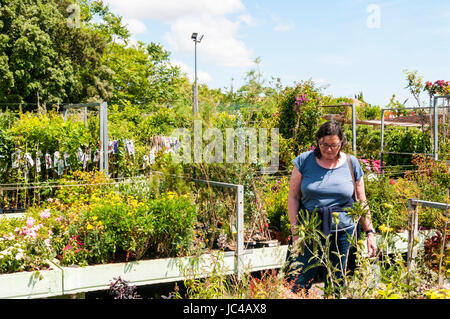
(346,46)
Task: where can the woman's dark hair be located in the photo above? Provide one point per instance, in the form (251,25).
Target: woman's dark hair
(327,129)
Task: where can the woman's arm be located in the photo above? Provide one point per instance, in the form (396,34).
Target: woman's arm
(366,221)
(294,198)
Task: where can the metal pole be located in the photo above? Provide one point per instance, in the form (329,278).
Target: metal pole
(195,81)
(382,139)
(240,230)
(85,117)
(413,230)
(436,122)
(104,136)
(354,128)
(101,132)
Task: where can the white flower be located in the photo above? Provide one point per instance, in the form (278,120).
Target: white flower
(19,256)
(372,177)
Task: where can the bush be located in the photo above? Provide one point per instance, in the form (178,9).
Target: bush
(26,243)
(299,114)
(276,206)
(175,216)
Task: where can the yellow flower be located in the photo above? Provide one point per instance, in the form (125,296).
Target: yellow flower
(388,206)
(383,228)
(94,218)
(89,227)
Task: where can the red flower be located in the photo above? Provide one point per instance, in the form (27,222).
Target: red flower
(392,182)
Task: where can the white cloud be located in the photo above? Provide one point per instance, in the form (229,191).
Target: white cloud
(249,20)
(284,26)
(171,10)
(281,25)
(202,76)
(135,26)
(321,82)
(221,44)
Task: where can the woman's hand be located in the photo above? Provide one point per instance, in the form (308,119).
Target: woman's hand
(371,245)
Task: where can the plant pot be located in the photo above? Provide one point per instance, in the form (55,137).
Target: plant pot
(31,284)
(279,236)
(268,243)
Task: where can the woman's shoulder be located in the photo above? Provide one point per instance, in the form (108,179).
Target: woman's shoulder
(354,159)
(300,160)
(305,155)
(356,166)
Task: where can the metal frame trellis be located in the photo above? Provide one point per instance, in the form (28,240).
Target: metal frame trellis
(103,126)
(413,228)
(436,133)
(436,122)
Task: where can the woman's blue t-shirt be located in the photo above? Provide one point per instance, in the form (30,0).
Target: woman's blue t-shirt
(323,187)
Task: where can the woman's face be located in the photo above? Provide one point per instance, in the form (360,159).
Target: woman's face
(330,146)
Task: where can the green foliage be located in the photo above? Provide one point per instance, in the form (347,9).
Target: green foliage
(414,85)
(175,215)
(397,139)
(368,140)
(299,114)
(45,60)
(107,231)
(276,205)
(162,122)
(143,75)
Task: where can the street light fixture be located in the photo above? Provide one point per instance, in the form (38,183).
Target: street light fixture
(196,40)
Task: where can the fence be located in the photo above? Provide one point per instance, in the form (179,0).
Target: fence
(435,131)
(413,229)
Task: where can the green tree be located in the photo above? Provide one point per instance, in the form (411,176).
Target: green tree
(43,58)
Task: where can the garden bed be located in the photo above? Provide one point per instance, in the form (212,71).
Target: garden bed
(72,280)
(29,285)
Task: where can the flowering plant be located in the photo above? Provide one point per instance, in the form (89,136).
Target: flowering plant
(372,165)
(440,87)
(26,244)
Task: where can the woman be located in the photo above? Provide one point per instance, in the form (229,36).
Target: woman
(321,181)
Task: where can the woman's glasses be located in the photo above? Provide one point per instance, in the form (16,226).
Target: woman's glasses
(333,146)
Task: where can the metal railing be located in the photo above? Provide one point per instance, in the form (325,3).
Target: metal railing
(413,229)
(240,251)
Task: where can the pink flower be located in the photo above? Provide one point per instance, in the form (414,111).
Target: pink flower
(9,236)
(59,219)
(32,234)
(47,242)
(30,222)
(45,214)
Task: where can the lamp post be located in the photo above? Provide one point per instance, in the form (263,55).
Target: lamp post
(196,39)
